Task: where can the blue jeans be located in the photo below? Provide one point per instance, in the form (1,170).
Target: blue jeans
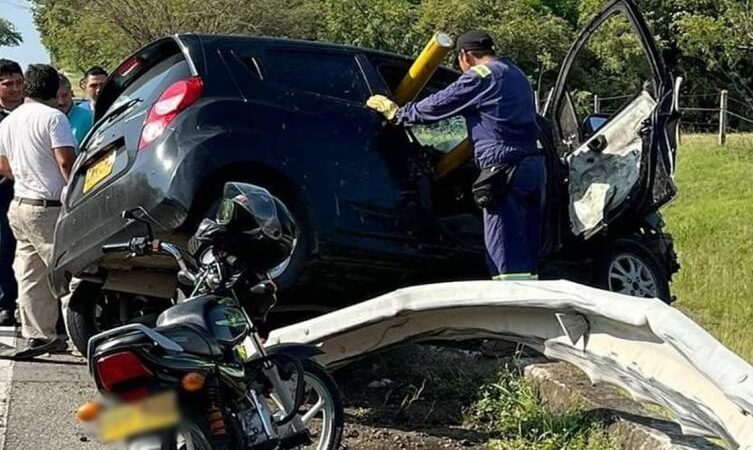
(512,226)
(8,287)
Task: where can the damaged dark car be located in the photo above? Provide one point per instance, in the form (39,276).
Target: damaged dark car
(188,113)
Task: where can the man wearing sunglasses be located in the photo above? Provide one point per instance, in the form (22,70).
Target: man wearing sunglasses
(495,98)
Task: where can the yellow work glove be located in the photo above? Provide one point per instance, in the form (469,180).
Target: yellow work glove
(383,105)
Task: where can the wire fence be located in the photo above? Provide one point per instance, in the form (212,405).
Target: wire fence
(715,112)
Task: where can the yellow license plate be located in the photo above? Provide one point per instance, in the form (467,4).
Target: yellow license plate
(152,414)
(99,171)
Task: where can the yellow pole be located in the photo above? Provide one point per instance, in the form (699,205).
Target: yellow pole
(414,81)
(454,158)
(423,68)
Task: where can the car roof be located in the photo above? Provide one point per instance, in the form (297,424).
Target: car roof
(217,39)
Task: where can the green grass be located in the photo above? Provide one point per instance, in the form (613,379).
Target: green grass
(511,410)
(712,222)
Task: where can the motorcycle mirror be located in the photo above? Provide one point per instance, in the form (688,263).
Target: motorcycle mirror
(140,215)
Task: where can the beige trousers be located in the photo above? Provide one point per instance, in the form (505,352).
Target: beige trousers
(34,229)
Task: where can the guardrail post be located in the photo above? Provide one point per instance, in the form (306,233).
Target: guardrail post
(723,118)
(597,104)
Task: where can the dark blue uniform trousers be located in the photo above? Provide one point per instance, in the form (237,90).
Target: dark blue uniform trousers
(8,287)
(512,226)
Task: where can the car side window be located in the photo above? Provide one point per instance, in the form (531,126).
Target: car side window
(610,71)
(444,135)
(333,74)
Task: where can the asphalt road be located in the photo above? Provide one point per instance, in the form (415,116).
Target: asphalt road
(38,400)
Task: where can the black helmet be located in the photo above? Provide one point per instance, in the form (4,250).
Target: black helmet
(260,228)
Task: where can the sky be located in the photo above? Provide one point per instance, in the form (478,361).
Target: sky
(31,50)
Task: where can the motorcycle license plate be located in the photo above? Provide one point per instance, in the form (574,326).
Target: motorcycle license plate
(99,171)
(151,414)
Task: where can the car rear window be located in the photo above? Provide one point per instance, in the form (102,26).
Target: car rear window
(149,85)
(332,74)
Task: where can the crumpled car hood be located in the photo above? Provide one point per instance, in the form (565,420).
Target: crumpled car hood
(644,346)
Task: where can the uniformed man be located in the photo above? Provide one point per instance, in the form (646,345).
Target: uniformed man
(495,98)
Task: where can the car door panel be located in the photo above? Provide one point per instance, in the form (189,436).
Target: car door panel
(627,167)
(603,176)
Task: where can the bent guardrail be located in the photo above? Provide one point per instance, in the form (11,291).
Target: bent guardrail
(644,346)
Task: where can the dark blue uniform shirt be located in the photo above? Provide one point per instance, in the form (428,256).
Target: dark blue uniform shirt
(497,103)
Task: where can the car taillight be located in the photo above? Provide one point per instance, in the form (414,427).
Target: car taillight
(120,368)
(177,97)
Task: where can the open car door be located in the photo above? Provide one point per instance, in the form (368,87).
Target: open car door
(614,116)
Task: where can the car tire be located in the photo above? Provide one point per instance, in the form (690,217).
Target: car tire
(289,275)
(79,317)
(627,268)
(90,311)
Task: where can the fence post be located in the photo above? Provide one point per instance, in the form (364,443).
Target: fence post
(597,104)
(678,86)
(723,119)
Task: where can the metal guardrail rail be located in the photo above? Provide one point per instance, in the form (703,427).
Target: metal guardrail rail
(644,346)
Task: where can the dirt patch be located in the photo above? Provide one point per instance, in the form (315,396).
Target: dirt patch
(414,397)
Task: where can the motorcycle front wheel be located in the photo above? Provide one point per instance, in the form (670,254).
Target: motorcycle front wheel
(322,407)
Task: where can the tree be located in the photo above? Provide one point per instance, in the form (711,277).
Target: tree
(525,30)
(9,37)
(708,42)
(82,33)
(724,42)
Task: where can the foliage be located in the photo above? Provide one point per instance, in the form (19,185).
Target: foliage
(82,33)
(724,41)
(9,37)
(708,42)
(510,409)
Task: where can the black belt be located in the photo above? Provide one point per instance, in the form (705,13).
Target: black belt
(39,202)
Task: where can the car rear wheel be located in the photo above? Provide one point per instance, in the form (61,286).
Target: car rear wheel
(628,269)
(92,310)
(80,316)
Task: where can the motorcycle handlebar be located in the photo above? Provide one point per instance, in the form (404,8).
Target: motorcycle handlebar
(143,246)
(116,248)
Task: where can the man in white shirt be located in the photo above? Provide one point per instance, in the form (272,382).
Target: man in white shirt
(37,152)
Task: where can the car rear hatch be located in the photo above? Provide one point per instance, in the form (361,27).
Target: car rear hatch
(133,117)
(121,114)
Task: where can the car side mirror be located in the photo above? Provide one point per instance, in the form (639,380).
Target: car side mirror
(593,123)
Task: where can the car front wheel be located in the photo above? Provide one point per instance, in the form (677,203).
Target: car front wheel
(628,269)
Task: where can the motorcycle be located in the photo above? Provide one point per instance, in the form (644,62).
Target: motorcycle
(202,378)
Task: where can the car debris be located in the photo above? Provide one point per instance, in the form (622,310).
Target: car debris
(643,346)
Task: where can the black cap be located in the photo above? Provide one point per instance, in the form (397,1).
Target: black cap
(474,40)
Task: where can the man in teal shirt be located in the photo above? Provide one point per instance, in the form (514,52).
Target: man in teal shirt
(81,119)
